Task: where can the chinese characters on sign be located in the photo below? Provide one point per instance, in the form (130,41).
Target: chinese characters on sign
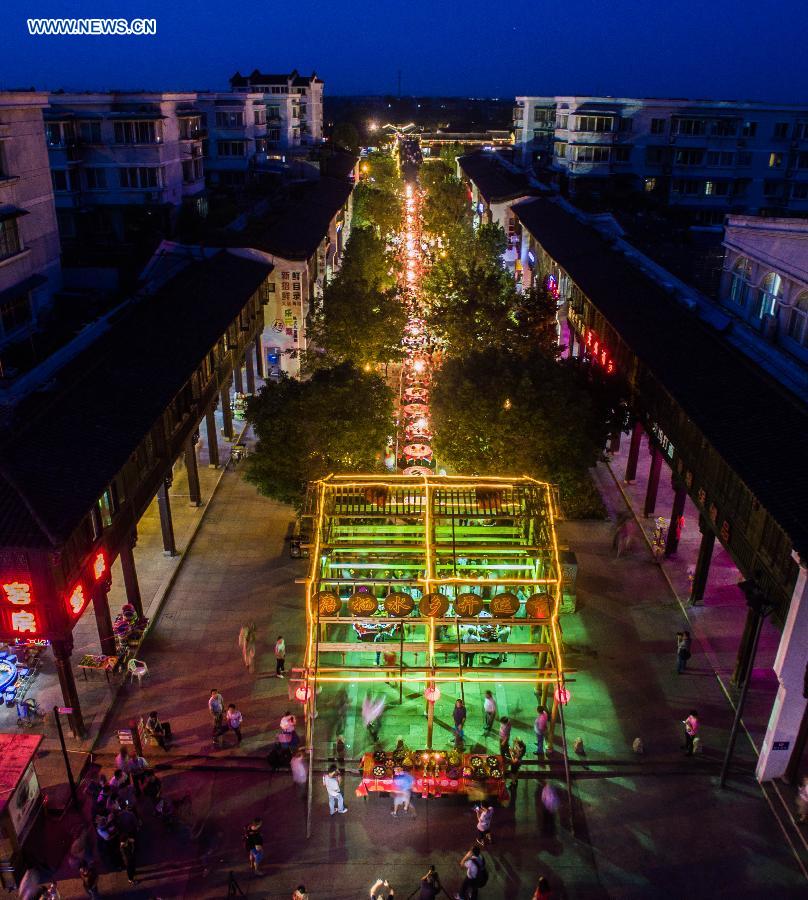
(362,604)
(99,566)
(504,606)
(17,596)
(468,605)
(18,593)
(538,607)
(328,603)
(75,602)
(433,606)
(595,347)
(399,604)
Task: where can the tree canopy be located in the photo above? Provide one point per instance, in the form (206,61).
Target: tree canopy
(346,136)
(336,421)
(445,208)
(377,198)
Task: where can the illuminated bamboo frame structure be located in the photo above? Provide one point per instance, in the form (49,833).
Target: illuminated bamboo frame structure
(418,533)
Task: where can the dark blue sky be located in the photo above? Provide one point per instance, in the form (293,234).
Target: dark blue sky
(683,48)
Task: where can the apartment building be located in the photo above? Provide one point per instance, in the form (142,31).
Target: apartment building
(124,164)
(236,128)
(294,105)
(29,238)
(703,158)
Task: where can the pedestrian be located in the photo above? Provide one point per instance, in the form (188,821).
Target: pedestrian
(333,787)
(504,735)
(300,773)
(119,780)
(157,730)
(127,821)
(691,724)
(489,711)
(372,709)
(517,753)
(485,816)
(121,758)
(682,650)
(246,641)
(550,804)
(430,885)
(381,889)
(459,716)
(540,729)
(402,790)
(802,800)
(136,767)
(299,893)
(234,720)
(543,890)
(476,875)
(280,656)
(127,848)
(254,844)
(339,752)
(216,709)
(389,657)
(89,878)
(152,787)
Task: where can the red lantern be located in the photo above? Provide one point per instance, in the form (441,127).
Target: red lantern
(303,693)
(432,694)
(562,695)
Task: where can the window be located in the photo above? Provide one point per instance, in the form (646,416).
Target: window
(591,154)
(260,145)
(689,157)
(654,155)
(721,158)
(775,160)
(749,129)
(57,133)
(273,112)
(800,191)
(543,116)
(724,127)
(688,126)
(650,185)
(273,134)
(191,170)
(621,154)
(15,313)
(138,132)
(595,123)
(740,187)
(689,186)
(562,121)
(140,177)
(90,132)
(739,283)
(260,115)
(63,180)
(625,124)
(229,119)
(190,127)
(797,327)
(657,126)
(278,89)
(780,130)
(772,188)
(230,148)
(744,158)
(802,160)
(801,131)
(560,150)
(96,179)
(769,294)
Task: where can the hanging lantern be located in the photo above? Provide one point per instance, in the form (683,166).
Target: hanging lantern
(432,694)
(303,693)
(562,695)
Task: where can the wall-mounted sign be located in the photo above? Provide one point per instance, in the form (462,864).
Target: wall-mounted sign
(399,604)
(596,349)
(468,605)
(327,602)
(662,439)
(504,606)
(433,606)
(538,606)
(363,603)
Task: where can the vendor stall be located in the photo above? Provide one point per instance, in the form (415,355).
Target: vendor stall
(20,801)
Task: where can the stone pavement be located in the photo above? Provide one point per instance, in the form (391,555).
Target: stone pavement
(645,826)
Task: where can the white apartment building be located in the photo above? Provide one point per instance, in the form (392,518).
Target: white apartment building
(29,238)
(236,128)
(124,163)
(705,158)
(294,106)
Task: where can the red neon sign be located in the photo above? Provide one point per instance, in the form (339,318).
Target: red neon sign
(18,593)
(75,602)
(600,352)
(23,621)
(99,565)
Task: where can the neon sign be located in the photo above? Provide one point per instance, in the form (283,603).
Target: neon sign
(599,353)
(18,592)
(23,621)
(99,565)
(552,285)
(75,602)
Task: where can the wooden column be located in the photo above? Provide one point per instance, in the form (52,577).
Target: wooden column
(166,523)
(194,489)
(743,661)
(248,363)
(62,651)
(703,563)
(614,441)
(213,438)
(103,620)
(227,411)
(672,540)
(633,453)
(130,572)
(259,357)
(653,481)
(239,383)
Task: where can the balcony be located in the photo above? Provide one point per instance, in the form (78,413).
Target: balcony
(518,113)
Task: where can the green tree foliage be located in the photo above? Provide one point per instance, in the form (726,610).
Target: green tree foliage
(377,198)
(361,318)
(336,421)
(497,412)
(345,136)
(445,209)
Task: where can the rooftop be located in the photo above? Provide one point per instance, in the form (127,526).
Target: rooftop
(493,180)
(67,444)
(746,416)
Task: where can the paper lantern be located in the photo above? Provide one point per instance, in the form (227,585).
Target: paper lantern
(303,693)
(562,695)
(432,694)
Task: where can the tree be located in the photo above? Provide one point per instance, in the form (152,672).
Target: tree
(345,135)
(497,413)
(377,199)
(446,209)
(337,421)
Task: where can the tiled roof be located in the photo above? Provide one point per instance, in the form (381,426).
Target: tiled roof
(494,181)
(66,445)
(759,429)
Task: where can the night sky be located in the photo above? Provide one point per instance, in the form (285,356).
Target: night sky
(731,49)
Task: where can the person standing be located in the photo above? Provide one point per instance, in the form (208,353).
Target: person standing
(234,720)
(280,656)
(540,729)
(254,843)
(127,848)
(691,724)
(89,878)
(299,893)
(485,817)
(136,766)
(459,716)
(682,650)
(300,773)
(430,885)
(216,709)
(474,864)
(332,781)
(517,754)
(504,735)
(489,711)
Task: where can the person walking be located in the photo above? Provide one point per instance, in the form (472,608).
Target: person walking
(246,641)
(300,773)
(550,804)
(280,656)
(691,724)
(332,781)
(89,879)
(234,720)
(504,735)
(216,709)
(682,650)
(476,875)
(543,890)
(402,790)
(254,844)
(540,729)
(136,767)
(127,848)
(372,709)
(517,754)
(485,817)
(459,716)
(489,711)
